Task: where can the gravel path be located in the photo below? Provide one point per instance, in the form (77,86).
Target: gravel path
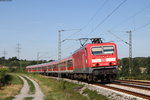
(24,91)
(38,93)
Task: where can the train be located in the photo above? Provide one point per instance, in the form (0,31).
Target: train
(93,62)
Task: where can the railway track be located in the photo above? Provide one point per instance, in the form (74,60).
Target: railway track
(130,89)
(144,84)
(144,96)
(133,86)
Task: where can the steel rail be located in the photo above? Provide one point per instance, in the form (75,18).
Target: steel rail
(133,86)
(134,82)
(125,91)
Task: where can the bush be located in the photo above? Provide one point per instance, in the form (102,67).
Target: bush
(3,76)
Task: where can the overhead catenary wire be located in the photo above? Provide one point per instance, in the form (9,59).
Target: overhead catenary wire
(145,25)
(136,29)
(108,16)
(140,27)
(90,20)
(128,18)
(135,14)
(118,37)
(99,9)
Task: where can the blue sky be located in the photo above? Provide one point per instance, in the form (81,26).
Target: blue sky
(35,24)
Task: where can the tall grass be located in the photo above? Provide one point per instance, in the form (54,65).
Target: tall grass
(10,90)
(62,90)
(58,90)
(93,95)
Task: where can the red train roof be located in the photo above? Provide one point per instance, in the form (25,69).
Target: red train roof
(48,64)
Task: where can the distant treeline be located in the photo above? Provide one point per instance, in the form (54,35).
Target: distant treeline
(14,62)
(140,68)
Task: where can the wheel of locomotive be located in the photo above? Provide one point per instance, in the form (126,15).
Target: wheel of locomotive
(75,76)
(84,77)
(90,78)
(72,76)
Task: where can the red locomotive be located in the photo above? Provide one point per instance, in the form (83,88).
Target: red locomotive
(96,61)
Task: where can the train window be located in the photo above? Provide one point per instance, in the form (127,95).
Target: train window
(97,50)
(62,64)
(69,63)
(49,67)
(108,49)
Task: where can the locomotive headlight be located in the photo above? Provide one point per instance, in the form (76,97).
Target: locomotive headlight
(93,64)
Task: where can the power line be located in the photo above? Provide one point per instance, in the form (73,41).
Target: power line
(118,37)
(142,26)
(79,30)
(107,16)
(99,9)
(137,13)
(4,53)
(18,50)
(104,18)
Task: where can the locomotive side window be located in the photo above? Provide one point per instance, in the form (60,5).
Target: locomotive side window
(108,49)
(97,50)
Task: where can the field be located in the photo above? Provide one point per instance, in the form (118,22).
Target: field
(63,90)
(8,91)
(53,89)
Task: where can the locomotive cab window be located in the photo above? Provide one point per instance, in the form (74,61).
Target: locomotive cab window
(97,50)
(108,49)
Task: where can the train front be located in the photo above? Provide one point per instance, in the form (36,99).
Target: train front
(103,61)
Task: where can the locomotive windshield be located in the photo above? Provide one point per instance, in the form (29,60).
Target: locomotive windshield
(98,50)
(108,49)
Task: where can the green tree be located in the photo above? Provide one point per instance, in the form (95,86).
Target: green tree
(148,66)
(135,67)
(124,63)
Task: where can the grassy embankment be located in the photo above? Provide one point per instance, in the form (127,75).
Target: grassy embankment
(9,91)
(4,78)
(62,90)
(92,95)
